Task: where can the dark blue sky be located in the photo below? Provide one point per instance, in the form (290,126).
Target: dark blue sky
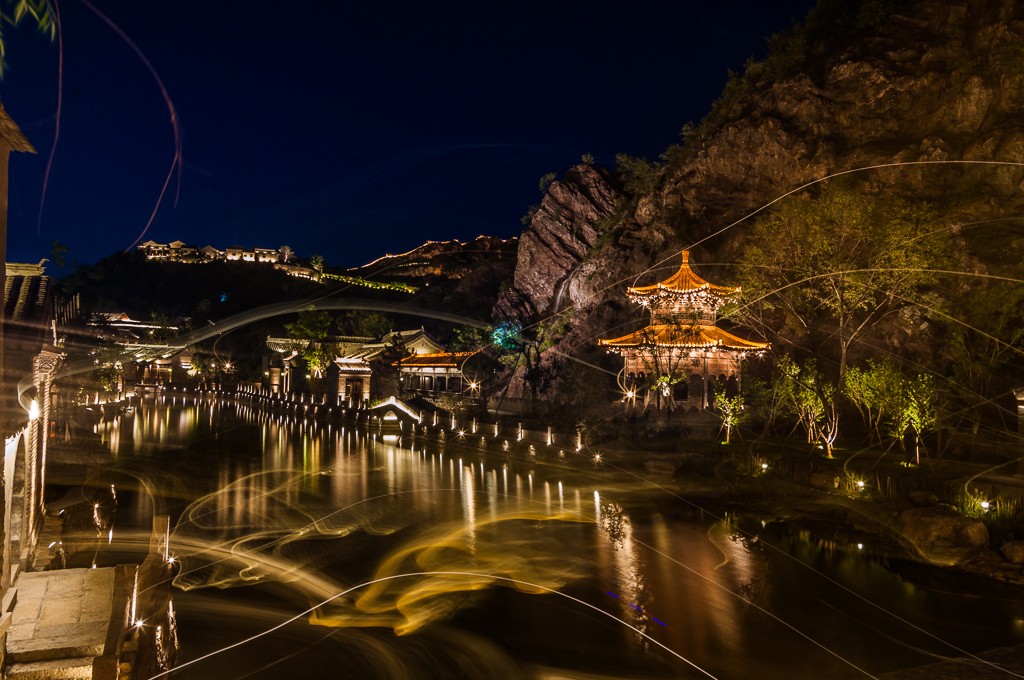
(349,129)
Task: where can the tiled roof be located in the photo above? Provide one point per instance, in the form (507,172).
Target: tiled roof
(435,360)
(27,298)
(12,135)
(683,281)
(686,337)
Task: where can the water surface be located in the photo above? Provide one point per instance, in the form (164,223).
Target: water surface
(450,562)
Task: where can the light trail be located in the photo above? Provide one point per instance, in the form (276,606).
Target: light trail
(831,580)
(656,265)
(244,318)
(301,533)
(832,176)
(56,126)
(393,577)
(175,123)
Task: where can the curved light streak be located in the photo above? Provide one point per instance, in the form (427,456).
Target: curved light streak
(393,577)
(175,123)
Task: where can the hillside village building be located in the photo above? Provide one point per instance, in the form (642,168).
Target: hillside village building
(674,360)
(358,365)
(180,252)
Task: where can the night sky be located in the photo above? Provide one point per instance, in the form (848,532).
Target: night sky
(343,129)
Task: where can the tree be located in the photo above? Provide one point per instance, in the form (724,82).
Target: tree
(366,324)
(40,12)
(524,348)
(893,402)
(468,339)
(57,252)
(317,263)
(828,270)
(546,181)
(811,398)
(732,411)
(388,370)
(286,253)
(984,344)
(639,176)
(917,412)
(202,365)
(874,391)
(664,368)
(311,326)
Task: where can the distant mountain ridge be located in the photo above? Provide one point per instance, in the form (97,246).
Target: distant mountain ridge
(452,259)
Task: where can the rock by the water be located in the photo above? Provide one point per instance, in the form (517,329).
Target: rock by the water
(1013,551)
(943,536)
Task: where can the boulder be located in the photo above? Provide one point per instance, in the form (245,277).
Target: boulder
(923,498)
(943,536)
(822,480)
(1013,551)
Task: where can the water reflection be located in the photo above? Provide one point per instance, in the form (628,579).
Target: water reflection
(461,546)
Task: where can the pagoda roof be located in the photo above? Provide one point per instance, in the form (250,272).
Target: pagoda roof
(686,337)
(435,360)
(11,135)
(684,281)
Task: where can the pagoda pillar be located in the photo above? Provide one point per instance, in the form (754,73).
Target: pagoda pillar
(704,384)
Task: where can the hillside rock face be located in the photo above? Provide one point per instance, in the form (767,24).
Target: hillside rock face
(931,85)
(560,234)
(888,107)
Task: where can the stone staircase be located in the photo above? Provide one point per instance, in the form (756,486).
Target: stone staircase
(69,624)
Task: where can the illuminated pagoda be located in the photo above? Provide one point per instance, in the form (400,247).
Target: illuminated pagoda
(673,361)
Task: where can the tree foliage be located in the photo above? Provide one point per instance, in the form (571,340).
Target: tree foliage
(732,409)
(365,324)
(639,176)
(312,326)
(983,346)
(872,390)
(13,12)
(546,181)
(825,271)
(317,262)
(810,397)
(892,402)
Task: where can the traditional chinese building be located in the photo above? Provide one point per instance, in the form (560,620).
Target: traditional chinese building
(435,372)
(355,373)
(674,360)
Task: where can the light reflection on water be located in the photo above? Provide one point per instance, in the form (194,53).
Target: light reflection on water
(298,512)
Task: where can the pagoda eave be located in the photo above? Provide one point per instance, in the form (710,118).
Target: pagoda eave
(699,337)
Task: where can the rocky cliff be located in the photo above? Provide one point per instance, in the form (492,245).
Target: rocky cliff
(923,100)
(561,232)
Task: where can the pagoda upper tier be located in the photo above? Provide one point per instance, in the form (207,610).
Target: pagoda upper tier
(684,297)
(683,286)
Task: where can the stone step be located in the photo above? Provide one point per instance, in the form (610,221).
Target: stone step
(79,668)
(60,614)
(57,648)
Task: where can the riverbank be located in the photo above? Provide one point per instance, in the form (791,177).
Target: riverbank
(836,498)
(994,664)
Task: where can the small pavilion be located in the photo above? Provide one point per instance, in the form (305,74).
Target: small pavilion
(435,372)
(673,360)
